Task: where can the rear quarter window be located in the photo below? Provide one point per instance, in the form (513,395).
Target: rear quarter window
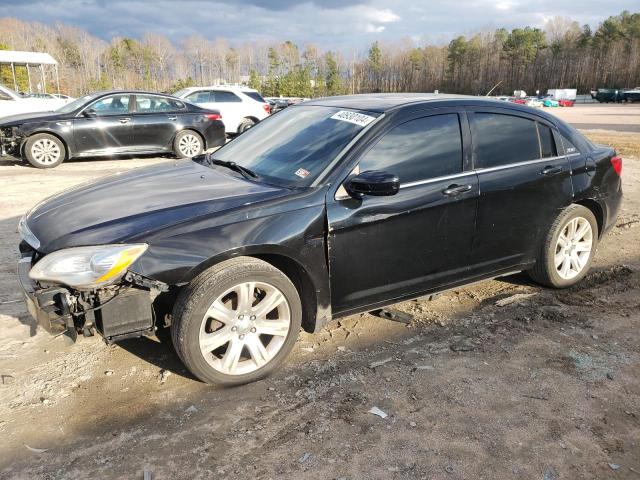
(224,96)
(256,96)
(569,147)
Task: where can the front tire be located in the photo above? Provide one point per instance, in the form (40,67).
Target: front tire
(236,322)
(568,249)
(44,151)
(187,144)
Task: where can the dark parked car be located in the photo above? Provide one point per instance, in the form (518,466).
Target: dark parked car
(606,95)
(632,95)
(111,123)
(328,208)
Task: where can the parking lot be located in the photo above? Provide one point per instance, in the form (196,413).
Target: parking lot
(601,116)
(500,380)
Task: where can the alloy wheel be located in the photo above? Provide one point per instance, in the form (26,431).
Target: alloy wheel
(45,151)
(245,328)
(573,248)
(189,145)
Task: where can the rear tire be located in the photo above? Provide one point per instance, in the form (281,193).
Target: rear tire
(568,249)
(188,144)
(245,125)
(236,322)
(44,151)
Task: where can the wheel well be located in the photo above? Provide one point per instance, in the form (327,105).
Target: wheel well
(252,118)
(300,278)
(67,155)
(204,142)
(597,211)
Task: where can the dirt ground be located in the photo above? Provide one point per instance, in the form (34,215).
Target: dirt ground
(500,380)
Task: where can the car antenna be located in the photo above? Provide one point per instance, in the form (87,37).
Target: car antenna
(494,87)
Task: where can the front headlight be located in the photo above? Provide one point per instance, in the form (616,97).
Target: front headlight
(87,267)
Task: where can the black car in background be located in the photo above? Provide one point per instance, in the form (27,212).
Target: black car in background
(111,123)
(329,208)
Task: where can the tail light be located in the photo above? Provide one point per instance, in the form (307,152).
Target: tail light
(213,116)
(267,107)
(616,163)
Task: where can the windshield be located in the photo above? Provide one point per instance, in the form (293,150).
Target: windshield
(294,146)
(77,103)
(7,93)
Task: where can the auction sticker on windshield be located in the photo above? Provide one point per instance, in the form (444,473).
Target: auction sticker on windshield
(353,117)
(302,173)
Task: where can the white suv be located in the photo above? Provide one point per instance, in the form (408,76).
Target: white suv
(241,107)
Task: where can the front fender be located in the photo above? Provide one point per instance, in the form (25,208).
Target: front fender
(62,129)
(297,235)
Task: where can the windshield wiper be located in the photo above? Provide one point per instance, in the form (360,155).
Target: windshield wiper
(244,171)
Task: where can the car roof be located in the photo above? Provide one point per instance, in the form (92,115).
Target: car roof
(237,88)
(380,102)
(130,92)
(385,102)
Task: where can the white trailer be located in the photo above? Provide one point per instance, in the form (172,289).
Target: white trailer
(563,93)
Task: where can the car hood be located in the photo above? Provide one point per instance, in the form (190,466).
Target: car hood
(28,117)
(130,206)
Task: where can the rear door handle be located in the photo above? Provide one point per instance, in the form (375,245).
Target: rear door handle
(125,120)
(172,118)
(453,190)
(549,170)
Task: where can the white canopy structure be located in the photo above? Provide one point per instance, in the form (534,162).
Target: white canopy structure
(29,60)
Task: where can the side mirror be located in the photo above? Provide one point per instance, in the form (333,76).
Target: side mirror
(373,182)
(90,113)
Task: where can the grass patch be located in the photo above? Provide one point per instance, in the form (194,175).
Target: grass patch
(626,144)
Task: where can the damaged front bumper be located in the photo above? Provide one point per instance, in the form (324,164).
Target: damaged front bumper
(10,141)
(48,306)
(119,312)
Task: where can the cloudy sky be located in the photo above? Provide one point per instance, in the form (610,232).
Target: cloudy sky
(340,24)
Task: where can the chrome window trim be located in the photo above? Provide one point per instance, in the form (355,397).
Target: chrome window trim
(466,173)
(437,179)
(528,162)
(342,195)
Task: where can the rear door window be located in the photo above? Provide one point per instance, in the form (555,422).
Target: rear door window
(419,149)
(223,96)
(500,139)
(156,104)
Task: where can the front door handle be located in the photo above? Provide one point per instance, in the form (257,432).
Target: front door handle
(549,170)
(125,120)
(453,190)
(172,118)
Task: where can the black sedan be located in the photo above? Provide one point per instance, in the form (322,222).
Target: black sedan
(329,208)
(111,123)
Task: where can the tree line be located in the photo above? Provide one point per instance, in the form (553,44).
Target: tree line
(563,54)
